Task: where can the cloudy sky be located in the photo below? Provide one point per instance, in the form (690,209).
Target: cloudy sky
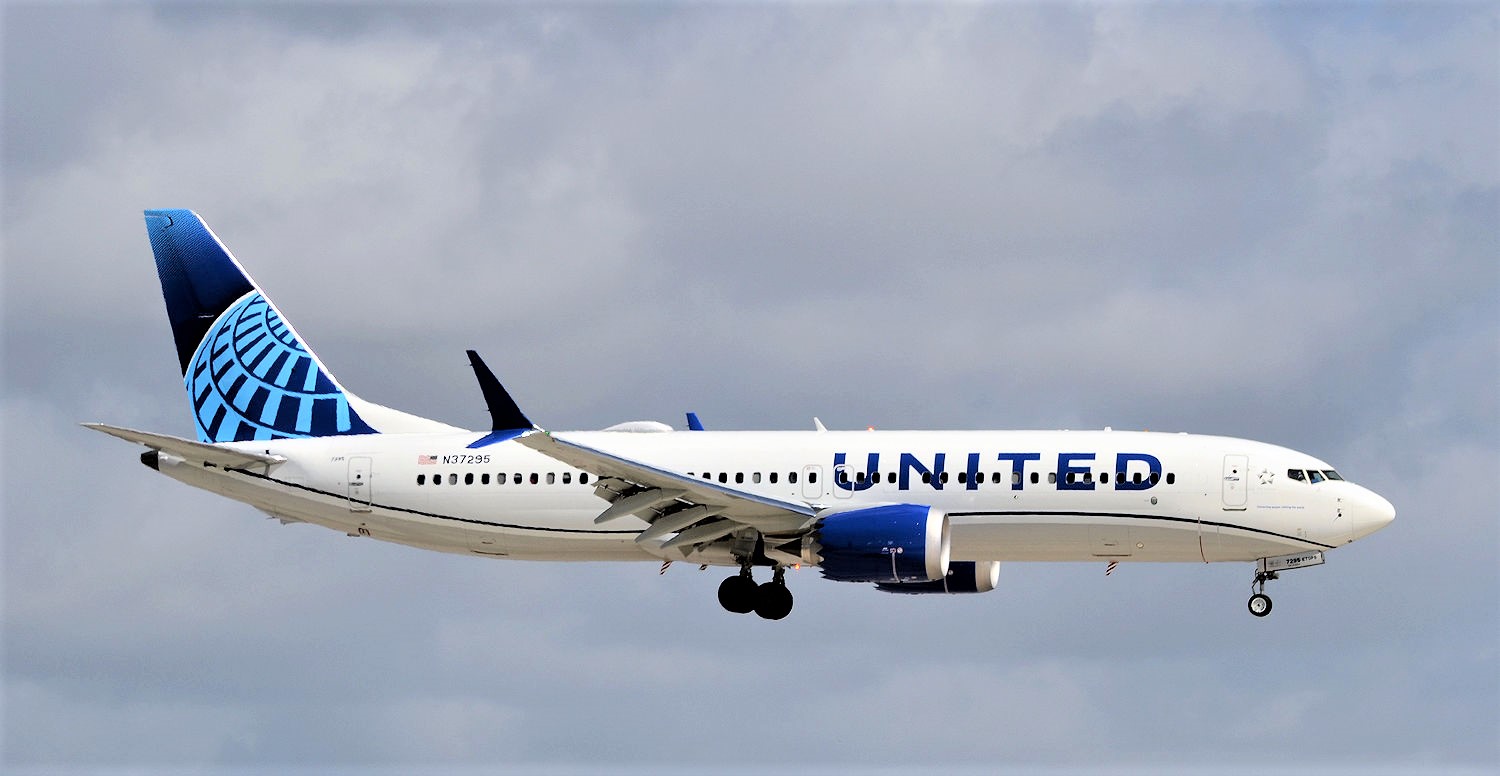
(1278,222)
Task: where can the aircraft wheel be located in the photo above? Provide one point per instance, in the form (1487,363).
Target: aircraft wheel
(773,601)
(738,594)
(1260,604)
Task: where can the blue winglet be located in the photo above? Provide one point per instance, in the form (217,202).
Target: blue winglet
(506,419)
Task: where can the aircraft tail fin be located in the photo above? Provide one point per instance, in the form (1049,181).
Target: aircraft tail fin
(247,373)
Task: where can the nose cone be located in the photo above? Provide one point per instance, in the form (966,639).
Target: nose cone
(1371,513)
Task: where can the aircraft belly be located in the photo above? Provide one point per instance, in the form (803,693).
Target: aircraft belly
(1054,538)
(551,538)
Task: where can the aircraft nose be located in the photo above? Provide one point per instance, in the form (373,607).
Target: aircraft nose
(1373,512)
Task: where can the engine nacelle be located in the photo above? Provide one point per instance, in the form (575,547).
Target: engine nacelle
(895,543)
(964,576)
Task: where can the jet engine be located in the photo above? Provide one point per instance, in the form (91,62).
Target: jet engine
(894,543)
(964,576)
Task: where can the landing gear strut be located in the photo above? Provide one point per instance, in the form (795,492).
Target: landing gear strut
(1260,603)
(740,594)
(1266,570)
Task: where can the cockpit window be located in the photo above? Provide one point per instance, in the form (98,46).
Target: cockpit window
(1331,474)
(1296,474)
(1314,476)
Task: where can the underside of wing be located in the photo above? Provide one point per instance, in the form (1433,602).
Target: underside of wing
(685,512)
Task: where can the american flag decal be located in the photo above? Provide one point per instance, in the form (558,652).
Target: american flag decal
(426,460)
(1110,569)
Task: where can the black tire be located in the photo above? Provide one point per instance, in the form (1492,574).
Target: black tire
(773,601)
(1260,604)
(737,594)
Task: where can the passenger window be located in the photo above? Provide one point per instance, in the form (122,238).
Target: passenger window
(791,477)
(1155,477)
(859,477)
(484,479)
(1314,476)
(1035,478)
(1136,478)
(843,477)
(1070,478)
(1171,478)
(469,478)
(437,479)
(551,478)
(583,479)
(567,478)
(1088,478)
(926,478)
(421,479)
(755,478)
(516,478)
(707,476)
(773,478)
(812,477)
(739,478)
(891,478)
(962,476)
(943,477)
(534,478)
(723,476)
(453,479)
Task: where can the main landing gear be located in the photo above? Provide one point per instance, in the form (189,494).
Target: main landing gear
(740,594)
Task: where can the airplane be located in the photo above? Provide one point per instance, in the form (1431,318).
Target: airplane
(916,512)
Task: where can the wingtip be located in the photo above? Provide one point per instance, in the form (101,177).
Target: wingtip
(505,414)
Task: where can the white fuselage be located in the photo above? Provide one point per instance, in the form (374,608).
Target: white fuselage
(1010,495)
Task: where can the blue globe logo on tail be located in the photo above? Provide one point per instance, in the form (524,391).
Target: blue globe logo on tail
(251,378)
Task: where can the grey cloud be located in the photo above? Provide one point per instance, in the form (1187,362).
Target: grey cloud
(1275,223)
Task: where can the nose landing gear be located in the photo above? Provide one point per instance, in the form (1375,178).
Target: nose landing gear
(740,594)
(1266,570)
(1260,603)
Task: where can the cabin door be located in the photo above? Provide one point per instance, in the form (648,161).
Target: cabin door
(359,483)
(1236,467)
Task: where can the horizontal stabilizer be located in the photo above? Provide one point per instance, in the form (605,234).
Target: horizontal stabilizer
(188,449)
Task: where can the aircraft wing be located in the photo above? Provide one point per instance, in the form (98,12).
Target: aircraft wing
(684,512)
(187,449)
(645,483)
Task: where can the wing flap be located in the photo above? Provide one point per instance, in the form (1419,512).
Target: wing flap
(766,514)
(187,449)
